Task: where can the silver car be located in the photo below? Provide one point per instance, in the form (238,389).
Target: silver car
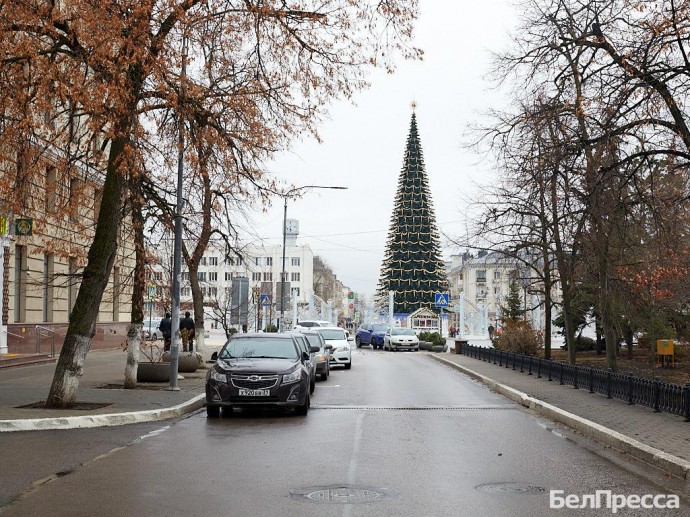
(400,339)
(339,340)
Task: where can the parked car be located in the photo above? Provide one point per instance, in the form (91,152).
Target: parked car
(259,370)
(307,324)
(400,339)
(339,340)
(305,347)
(323,356)
(150,329)
(371,334)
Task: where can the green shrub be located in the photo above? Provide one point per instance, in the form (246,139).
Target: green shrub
(232,331)
(437,339)
(424,336)
(271,328)
(583,344)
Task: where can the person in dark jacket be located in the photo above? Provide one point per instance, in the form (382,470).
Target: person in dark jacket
(165,327)
(187,332)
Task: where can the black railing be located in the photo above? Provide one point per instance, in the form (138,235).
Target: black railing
(660,396)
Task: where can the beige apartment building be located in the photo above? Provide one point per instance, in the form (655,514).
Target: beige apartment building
(43,266)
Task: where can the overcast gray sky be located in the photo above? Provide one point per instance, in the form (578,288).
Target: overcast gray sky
(363,144)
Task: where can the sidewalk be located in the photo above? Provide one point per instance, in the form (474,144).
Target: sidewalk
(661,439)
(101,385)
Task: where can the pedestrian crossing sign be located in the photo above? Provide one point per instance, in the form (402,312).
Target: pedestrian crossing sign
(265,300)
(441,299)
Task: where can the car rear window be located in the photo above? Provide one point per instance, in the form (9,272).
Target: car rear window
(332,333)
(263,347)
(312,340)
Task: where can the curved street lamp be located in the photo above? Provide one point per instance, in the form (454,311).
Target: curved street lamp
(286,195)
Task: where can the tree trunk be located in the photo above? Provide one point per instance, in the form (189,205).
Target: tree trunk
(133,344)
(82,325)
(139,285)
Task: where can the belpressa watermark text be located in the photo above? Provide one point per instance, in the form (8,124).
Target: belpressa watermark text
(614,502)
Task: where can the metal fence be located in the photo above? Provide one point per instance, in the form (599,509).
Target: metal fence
(660,396)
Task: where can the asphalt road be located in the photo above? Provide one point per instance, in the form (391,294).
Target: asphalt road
(398,435)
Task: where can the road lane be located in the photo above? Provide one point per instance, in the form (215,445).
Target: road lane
(414,435)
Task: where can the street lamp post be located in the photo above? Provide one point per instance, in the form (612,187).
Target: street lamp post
(286,195)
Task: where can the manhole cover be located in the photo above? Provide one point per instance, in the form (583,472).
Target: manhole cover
(510,488)
(340,494)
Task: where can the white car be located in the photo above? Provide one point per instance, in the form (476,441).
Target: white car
(340,341)
(151,330)
(400,339)
(311,324)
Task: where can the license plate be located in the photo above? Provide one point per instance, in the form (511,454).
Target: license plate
(254,393)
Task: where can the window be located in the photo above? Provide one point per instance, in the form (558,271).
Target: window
(239,261)
(228,276)
(213,261)
(294,261)
(497,275)
(157,275)
(295,291)
(497,290)
(268,277)
(116,294)
(202,262)
(269,261)
(213,277)
(97,198)
(201,275)
(257,261)
(203,292)
(72,282)
(481,275)
(75,188)
(48,264)
(51,188)
(256,277)
(294,277)
(213,291)
(186,292)
(20,284)
(184,276)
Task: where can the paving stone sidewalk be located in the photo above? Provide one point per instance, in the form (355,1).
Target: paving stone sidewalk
(664,431)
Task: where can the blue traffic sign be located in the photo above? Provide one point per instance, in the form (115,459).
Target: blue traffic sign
(441,299)
(265,300)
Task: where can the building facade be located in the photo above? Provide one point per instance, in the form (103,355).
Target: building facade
(44,257)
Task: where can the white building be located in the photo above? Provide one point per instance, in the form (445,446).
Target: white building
(262,266)
(480,286)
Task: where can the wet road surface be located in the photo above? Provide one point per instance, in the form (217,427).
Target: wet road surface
(398,435)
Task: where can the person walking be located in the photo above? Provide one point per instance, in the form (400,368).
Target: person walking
(165,327)
(187,332)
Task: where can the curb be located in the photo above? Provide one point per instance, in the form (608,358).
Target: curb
(106,420)
(662,460)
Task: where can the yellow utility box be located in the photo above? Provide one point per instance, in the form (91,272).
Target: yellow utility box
(664,352)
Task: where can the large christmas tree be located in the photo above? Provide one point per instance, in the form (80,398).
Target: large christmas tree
(412,265)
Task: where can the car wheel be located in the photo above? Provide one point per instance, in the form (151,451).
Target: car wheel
(213,411)
(304,408)
(348,365)
(358,342)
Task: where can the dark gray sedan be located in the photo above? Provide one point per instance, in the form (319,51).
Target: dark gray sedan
(259,370)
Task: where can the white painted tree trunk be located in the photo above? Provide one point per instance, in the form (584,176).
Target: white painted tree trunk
(133,343)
